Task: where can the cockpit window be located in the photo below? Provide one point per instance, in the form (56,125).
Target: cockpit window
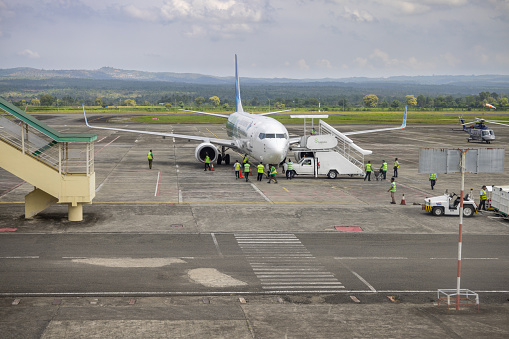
(273,136)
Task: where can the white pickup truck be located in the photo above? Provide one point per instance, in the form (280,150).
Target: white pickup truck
(327,163)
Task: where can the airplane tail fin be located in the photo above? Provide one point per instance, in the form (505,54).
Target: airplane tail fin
(238,102)
(403,124)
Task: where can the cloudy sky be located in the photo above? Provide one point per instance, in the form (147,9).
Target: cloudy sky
(276,38)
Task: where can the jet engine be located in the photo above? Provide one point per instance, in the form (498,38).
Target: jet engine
(202,150)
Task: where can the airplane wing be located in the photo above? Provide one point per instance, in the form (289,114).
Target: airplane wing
(213,114)
(286,110)
(221,142)
(403,125)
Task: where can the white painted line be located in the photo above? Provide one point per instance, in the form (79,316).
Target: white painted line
(181,200)
(156,193)
(298,286)
(260,192)
(216,244)
(304,283)
(25,257)
(290,273)
(371,258)
(464,258)
(363,280)
(99,187)
(285,269)
(74,258)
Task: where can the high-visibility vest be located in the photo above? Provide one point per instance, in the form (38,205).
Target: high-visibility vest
(384,166)
(150,156)
(393,186)
(246,167)
(260,168)
(290,165)
(396,164)
(368,167)
(245,160)
(433,176)
(207,159)
(483,195)
(237,166)
(273,170)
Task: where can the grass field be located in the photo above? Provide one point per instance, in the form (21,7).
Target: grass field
(157,114)
(413,118)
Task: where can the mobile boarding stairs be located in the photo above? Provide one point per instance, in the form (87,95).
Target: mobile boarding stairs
(60,166)
(352,155)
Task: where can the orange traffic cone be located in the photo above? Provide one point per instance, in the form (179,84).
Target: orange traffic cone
(403,200)
(212,167)
(240,175)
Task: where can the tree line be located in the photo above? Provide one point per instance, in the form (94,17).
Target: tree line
(469,102)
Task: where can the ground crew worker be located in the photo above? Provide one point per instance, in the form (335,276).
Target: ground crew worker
(245,160)
(150,158)
(368,171)
(392,189)
(433,179)
(482,195)
(289,169)
(261,169)
(207,162)
(396,167)
(383,168)
(272,174)
(236,167)
(246,170)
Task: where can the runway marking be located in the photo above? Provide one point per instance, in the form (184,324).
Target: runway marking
(285,189)
(106,145)
(212,133)
(226,293)
(158,184)
(261,193)
(21,257)
(463,258)
(371,258)
(364,281)
(12,188)
(181,200)
(281,261)
(216,244)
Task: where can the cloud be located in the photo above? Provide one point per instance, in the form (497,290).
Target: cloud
(302,64)
(324,63)
(29,54)
(450,59)
(357,15)
(214,17)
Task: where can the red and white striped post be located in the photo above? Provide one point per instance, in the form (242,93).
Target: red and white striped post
(460,240)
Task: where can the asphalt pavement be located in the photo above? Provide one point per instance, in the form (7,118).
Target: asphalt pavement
(178,252)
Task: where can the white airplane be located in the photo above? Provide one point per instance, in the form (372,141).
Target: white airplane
(261,138)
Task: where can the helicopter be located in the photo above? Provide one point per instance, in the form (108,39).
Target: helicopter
(479,131)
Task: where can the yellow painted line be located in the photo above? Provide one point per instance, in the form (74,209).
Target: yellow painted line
(285,189)
(212,133)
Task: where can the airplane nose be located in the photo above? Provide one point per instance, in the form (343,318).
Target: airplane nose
(275,153)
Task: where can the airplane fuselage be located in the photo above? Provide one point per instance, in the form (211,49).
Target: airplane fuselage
(264,139)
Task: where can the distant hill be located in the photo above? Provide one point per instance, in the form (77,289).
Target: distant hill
(109,73)
(111,84)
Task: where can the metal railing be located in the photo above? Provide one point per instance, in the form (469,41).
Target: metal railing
(64,157)
(345,146)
